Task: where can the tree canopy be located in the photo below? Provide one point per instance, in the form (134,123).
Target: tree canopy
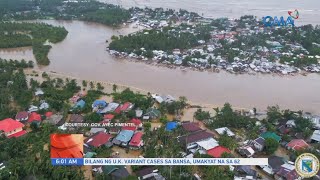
(14,35)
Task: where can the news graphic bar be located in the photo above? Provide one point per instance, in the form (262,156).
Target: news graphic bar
(160,161)
(67,161)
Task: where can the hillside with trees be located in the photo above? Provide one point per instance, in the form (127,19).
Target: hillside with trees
(15,35)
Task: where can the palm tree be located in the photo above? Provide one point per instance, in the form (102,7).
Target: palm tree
(114,87)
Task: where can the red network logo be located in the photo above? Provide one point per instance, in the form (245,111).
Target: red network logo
(294,14)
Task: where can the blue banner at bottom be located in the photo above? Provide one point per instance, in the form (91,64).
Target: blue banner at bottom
(67,161)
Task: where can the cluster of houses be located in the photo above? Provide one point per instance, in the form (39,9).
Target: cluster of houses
(249,59)
(158,18)
(17,127)
(194,139)
(280,166)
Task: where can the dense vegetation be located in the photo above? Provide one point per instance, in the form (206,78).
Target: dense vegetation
(13,87)
(167,39)
(97,12)
(91,10)
(31,34)
(25,158)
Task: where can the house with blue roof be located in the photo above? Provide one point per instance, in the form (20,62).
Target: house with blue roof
(99,104)
(79,105)
(123,138)
(171,126)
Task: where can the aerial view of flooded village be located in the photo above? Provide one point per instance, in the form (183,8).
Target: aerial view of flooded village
(167,79)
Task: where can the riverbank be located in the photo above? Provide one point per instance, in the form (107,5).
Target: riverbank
(210,70)
(109,88)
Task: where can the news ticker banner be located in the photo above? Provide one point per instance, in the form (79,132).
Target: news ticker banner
(158,161)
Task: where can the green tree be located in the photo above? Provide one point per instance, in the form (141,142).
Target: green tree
(147,126)
(93,117)
(228,142)
(271,145)
(84,83)
(91,85)
(114,87)
(273,114)
(99,87)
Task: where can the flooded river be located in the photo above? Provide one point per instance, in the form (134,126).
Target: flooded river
(82,54)
(309,10)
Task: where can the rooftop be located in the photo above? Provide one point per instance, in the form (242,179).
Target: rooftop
(218,151)
(191,126)
(271,135)
(124,136)
(98,139)
(195,137)
(9,124)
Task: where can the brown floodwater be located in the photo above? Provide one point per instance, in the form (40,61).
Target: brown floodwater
(83,54)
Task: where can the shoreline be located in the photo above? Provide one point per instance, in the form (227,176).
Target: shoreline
(210,70)
(108,87)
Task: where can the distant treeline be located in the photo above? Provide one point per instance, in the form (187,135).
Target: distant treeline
(90,10)
(15,35)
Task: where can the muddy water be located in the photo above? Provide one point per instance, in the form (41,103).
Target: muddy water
(82,54)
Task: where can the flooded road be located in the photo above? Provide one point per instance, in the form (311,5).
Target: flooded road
(82,54)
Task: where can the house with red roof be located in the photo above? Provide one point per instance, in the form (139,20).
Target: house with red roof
(34,117)
(297,144)
(137,124)
(130,128)
(217,152)
(98,139)
(136,141)
(191,126)
(11,128)
(124,107)
(118,110)
(48,114)
(108,116)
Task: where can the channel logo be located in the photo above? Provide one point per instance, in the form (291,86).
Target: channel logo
(294,14)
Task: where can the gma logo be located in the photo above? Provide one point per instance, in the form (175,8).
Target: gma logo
(269,21)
